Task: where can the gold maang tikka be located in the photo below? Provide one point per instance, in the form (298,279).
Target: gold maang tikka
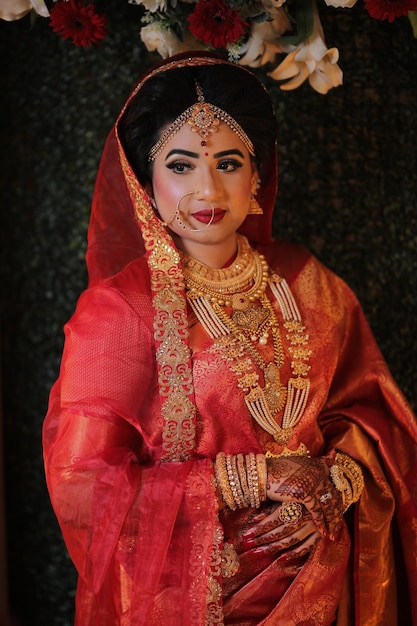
(204,119)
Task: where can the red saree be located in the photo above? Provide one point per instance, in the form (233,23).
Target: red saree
(144,403)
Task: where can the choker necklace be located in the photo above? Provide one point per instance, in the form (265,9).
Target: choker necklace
(248,273)
(232,306)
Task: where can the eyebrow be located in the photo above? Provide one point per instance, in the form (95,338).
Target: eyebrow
(195,155)
(226,152)
(179,151)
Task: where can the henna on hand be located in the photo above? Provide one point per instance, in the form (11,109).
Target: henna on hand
(294,546)
(271,535)
(306,480)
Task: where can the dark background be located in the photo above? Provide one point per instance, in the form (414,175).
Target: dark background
(348,183)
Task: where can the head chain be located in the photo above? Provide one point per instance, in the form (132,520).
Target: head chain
(204,119)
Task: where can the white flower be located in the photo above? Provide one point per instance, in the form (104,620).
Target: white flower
(156,37)
(344,4)
(11,10)
(40,7)
(310,59)
(261,46)
(155,5)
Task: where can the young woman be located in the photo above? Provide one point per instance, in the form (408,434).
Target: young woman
(225,444)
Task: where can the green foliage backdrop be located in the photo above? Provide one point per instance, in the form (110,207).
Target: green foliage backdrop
(348,182)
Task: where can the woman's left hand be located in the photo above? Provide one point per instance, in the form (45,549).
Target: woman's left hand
(306,481)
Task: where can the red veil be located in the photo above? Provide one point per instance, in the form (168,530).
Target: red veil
(133,427)
(113,237)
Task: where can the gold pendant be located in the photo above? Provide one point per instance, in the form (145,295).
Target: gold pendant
(275,393)
(252,319)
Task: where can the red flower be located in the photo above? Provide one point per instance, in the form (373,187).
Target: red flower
(71,19)
(215,23)
(389,9)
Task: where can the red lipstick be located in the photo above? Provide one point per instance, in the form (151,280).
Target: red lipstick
(205,216)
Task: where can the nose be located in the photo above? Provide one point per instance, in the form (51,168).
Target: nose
(209,186)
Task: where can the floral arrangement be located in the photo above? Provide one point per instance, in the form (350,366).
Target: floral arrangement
(251,32)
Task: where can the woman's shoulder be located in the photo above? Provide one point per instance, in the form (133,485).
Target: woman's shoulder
(287,258)
(133,277)
(304,271)
(128,289)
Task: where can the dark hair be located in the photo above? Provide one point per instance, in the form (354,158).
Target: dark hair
(166,95)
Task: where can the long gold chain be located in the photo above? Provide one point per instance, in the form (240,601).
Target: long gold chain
(232,305)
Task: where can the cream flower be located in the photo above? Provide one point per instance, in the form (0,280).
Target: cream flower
(164,41)
(261,46)
(155,5)
(310,59)
(11,10)
(344,4)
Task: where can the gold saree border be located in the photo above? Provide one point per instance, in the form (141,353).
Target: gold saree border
(170,327)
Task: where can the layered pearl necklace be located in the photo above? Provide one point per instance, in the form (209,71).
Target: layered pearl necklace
(232,306)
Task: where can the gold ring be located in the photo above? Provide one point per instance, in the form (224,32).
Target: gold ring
(290,512)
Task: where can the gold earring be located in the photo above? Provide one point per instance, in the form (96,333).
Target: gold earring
(254,206)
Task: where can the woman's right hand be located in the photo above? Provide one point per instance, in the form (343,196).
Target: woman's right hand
(272,534)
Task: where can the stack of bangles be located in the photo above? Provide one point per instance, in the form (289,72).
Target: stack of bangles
(347,477)
(241,479)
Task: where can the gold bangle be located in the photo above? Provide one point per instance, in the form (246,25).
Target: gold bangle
(241,468)
(253,484)
(223,480)
(347,477)
(234,481)
(241,479)
(353,473)
(249,479)
(262,475)
(341,484)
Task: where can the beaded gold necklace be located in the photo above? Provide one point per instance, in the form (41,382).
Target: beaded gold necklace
(234,309)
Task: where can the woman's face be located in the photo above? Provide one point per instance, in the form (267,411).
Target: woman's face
(211,183)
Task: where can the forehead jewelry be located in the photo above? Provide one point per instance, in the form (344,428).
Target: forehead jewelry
(204,119)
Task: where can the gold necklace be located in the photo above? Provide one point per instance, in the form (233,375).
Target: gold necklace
(246,277)
(243,331)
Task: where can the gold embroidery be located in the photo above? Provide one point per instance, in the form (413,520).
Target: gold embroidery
(206,536)
(230,560)
(214,608)
(170,328)
(214,591)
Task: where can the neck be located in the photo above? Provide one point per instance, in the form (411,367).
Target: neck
(214,256)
